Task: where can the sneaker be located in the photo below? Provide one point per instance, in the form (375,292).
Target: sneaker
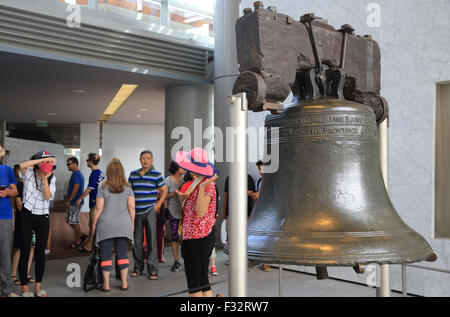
(214,270)
(12,295)
(176,266)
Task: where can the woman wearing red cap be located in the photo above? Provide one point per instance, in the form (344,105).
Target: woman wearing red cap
(39,187)
(198,198)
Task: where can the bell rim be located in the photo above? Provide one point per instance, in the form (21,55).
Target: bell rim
(345,260)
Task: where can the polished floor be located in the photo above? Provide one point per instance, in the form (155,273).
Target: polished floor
(60,276)
(65,270)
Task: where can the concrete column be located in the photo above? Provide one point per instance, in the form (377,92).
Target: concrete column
(189,112)
(2,140)
(165,13)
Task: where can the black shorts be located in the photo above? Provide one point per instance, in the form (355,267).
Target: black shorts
(196,253)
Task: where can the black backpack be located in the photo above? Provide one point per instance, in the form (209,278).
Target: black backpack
(93,277)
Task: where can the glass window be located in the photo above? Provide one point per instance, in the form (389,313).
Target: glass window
(79,2)
(200,25)
(143,9)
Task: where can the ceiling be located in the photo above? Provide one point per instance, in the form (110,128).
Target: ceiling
(33,88)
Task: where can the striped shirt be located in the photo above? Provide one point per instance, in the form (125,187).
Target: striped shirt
(145,188)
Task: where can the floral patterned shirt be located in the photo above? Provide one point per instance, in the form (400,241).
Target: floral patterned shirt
(195,227)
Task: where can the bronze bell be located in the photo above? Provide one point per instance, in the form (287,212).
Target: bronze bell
(327,204)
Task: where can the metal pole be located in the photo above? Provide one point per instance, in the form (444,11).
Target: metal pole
(280,276)
(238,198)
(404,291)
(384,286)
(92,4)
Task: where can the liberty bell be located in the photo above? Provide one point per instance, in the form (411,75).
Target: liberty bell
(327,204)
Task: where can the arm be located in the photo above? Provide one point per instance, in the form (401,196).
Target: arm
(47,191)
(171,195)
(18,203)
(99,204)
(203,199)
(31,163)
(131,209)
(85,194)
(9,192)
(163,193)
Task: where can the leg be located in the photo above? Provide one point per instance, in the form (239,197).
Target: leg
(6,239)
(160,238)
(25,234)
(73,219)
(41,228)
(122,259)
(90,239)
(192,267)
(77,230)
(106,253)
(152,257)
(30,262)
(15,262)
(175,248)
(208,245)
(49,241)
(138,249)
(173,224)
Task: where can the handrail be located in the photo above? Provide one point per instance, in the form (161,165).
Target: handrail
(404,292)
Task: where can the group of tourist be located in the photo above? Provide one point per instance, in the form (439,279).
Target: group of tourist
(123,211)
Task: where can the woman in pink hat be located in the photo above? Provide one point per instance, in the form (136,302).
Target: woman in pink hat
(198,199)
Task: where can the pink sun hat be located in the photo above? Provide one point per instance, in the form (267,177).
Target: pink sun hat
(196,161)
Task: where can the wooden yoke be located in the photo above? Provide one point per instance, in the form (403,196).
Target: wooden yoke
(273,50)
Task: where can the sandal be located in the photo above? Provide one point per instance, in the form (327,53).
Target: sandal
(135,273)
(153,276)
(74,246)
(16,282)
(83,249)
(125,288)
(30,279)
(105,289)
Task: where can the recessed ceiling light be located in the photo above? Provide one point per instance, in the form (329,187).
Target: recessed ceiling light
(143,109)
(52,113)
(78,91)
(122,95)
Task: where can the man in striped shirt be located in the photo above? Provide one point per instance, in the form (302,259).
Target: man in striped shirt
(146,182)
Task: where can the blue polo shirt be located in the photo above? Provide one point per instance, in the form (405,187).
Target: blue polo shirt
(145,188)
(6,178)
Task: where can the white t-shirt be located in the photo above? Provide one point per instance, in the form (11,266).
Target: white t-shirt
(33,197)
